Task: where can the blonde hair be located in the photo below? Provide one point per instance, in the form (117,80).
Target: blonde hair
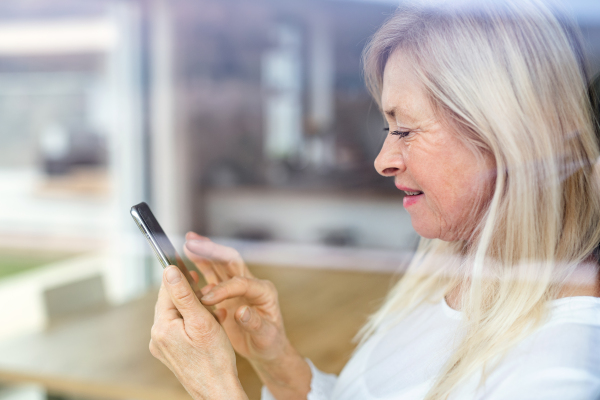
(510,78)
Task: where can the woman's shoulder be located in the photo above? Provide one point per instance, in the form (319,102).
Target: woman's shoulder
(560,360)
(572,327)
(580,310)
(568,339)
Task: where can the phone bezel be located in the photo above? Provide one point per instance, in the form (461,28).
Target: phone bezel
(142,225)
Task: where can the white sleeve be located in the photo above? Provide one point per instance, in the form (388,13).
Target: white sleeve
(321,385)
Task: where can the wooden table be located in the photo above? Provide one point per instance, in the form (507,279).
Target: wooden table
(105,355)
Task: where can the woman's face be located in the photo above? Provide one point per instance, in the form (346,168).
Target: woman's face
(430,160)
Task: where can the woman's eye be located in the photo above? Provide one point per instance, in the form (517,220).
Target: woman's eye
(400,134)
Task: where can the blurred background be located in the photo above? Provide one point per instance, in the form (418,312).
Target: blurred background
(246,121)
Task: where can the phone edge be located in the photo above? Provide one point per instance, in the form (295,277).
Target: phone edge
(141,225)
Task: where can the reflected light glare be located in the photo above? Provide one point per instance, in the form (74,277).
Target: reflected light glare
(57,37)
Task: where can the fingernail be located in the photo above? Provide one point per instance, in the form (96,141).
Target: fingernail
(208,296)
(245,315)
(173,275)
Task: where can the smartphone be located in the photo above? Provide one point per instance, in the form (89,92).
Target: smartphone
(159,242)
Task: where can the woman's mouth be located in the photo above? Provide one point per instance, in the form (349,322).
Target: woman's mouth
(411,196)
(411,199)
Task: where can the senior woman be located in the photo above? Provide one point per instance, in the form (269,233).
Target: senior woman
(491,138)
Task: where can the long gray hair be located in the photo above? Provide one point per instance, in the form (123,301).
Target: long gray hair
(510,77)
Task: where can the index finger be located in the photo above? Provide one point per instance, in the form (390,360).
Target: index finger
(214,252)
(204,265)
(194,236)
(225,262)
(255,291)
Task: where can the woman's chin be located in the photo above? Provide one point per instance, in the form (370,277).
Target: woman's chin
(425,231)
(432,233)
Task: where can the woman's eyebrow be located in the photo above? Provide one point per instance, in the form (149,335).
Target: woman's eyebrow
(399,113)
(390,113)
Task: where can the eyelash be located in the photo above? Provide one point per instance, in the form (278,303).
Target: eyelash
(400,134)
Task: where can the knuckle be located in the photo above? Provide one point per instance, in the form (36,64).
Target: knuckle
(158,335)
(254,323)
(153,349)
(239,280)
(203,331)
(270,288)
(269,285)
(185,297)
(236,285)
(198,325)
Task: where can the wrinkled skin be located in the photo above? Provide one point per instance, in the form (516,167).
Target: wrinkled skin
(431,158)
(187,339)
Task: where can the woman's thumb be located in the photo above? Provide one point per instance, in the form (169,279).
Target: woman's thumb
(248,319)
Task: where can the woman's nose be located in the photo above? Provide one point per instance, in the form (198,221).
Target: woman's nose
(390,160)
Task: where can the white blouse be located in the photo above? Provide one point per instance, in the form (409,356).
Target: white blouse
(559,361)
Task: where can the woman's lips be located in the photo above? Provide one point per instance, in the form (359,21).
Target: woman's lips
(410,199)
(407,189)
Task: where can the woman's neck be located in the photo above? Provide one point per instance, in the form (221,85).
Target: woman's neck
(584,281)
(454,297)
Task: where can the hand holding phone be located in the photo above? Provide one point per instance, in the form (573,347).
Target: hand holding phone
(159,242)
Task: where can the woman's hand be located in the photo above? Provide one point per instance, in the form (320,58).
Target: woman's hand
(188,340)
(246,307)
(248,310)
